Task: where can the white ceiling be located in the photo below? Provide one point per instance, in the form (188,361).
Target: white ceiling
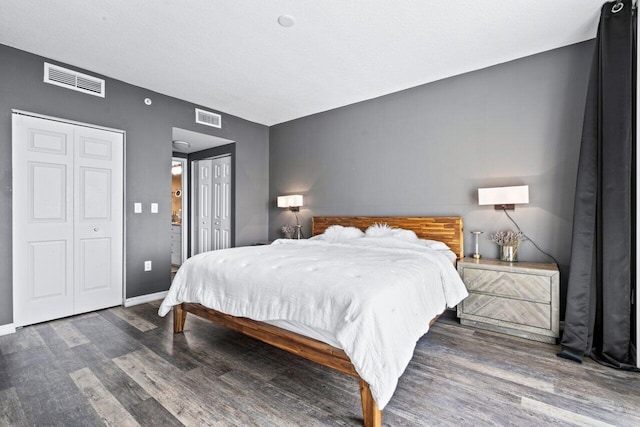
(234,57)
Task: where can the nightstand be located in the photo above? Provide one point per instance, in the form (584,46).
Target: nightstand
(519,298)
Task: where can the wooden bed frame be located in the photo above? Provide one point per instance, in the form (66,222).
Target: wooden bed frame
(446,229)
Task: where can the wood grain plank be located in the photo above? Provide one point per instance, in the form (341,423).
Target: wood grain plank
(28,338)
(294,408)
(261,362)
(156,303)
(11,413)
(150,413)
(562,414)
(169,387)
(325,389)
(131,318)
(237,394)
(110,339)
(105,404)
(504,374)
(69,333)
(47,394)
(119,384)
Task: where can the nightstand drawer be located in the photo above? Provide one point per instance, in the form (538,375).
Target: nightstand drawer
(514,311)
(508,284)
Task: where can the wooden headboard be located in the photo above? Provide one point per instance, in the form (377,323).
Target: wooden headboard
(447,229)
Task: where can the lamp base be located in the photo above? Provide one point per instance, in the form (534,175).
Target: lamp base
(477,256)
(298,233)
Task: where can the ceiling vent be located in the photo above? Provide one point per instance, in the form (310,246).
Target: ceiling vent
(73,80)
(208,118)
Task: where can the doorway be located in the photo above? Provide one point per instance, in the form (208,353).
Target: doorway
(188,148)
(179,211)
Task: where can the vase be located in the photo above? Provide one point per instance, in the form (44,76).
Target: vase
(509,253)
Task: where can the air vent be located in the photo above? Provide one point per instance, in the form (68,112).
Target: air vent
(73,80)
(208,118)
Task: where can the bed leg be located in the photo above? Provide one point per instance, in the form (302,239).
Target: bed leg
(179,317)
(371,415)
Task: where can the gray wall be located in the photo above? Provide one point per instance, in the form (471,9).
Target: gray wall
(148,160)
(426,151)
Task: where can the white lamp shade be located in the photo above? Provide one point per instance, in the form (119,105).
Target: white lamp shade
(292,201)
(503,195)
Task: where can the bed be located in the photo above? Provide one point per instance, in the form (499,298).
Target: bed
(366,361)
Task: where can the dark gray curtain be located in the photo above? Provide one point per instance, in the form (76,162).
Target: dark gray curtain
(598,316)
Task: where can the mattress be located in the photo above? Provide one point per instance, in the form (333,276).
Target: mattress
(328,337)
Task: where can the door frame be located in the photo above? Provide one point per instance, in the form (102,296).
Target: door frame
(124,185)
(186,209)
(636,298)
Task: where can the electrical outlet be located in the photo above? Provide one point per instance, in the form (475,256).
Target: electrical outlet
(154,208)
(147,266)
(137,208)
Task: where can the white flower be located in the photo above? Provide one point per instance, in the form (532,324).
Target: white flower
(287,229)
(509,237)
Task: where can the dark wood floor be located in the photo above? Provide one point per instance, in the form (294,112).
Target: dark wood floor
(125,367)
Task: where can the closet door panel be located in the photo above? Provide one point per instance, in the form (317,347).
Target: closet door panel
(42,220)
(99,219)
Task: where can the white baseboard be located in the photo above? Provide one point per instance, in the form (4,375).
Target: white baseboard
(7,329)
(143,299)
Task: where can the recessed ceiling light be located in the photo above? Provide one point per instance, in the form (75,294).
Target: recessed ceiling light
(286,20)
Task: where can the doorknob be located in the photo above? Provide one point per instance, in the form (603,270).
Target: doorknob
(96,229)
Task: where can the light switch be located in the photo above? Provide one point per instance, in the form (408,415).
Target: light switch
(147,266)
(137,208)
(154,208)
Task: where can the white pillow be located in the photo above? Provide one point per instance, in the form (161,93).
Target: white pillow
(338,233)
(434,244)
(383,230)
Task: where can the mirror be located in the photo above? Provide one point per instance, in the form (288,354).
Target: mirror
(176,193)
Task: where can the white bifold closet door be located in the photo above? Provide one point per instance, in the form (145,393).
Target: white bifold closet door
(67,219)
(213,204)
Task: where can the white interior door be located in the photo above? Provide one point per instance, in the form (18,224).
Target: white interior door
(98,218)
(213,204)
(204,205)
(67,219)
(42,220)
(221,222)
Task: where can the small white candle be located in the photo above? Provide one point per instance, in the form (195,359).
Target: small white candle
(476,234)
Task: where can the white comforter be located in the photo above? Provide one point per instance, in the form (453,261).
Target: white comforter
(377,295)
